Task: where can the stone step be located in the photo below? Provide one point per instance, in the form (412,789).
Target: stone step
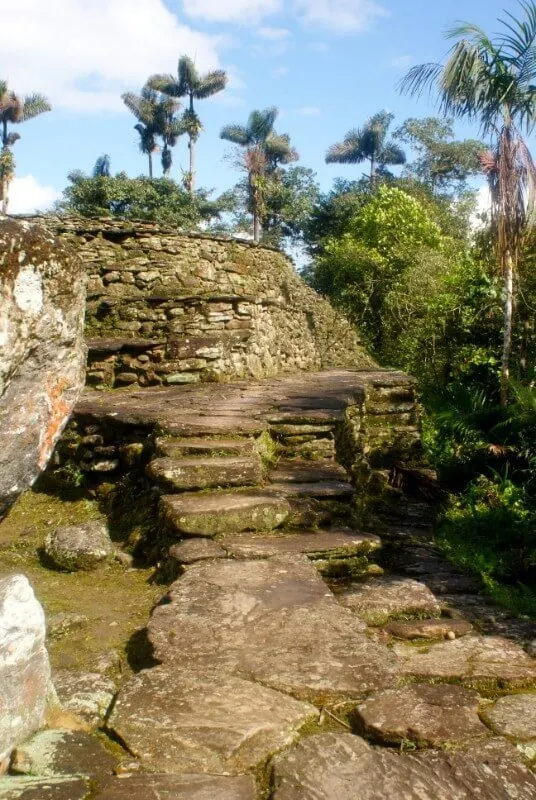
(196,426)
(318,490)
(177,448)
(314,544)
(302,471)
(205,473)
(304,416)
(212,513)
(180,787)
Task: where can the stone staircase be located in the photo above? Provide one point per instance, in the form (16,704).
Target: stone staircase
(286,665)
(218,487)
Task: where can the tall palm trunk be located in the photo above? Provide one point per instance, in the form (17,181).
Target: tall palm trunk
(372,172)
(256,227)
(191,182)
(191,147)
(5,177)
(150,159)
(508,319)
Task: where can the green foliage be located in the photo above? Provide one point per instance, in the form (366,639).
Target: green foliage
(388,233)
(333,212)
(289,198)
(490,530)
(157,200)
(395,222)
(442,163)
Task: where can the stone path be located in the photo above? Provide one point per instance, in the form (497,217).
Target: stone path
(297,658)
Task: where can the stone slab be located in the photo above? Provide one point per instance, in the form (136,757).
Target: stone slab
(273,620)
(205,472)
(60,752)
(191,550)
(213,426)
(431,716)
(173,447)
(320,489)
(315,544)
(86,694)
(179,787)
(344,767)
(177,719)
(224,512)
(513,716)
(301,471)
(429,629)
(382,599)
(482,662)
(57,788)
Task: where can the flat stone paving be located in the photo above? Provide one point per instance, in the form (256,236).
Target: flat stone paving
(272,684)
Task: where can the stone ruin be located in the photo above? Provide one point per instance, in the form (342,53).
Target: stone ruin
(286,664)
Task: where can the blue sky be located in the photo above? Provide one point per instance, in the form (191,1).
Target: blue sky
(326,64)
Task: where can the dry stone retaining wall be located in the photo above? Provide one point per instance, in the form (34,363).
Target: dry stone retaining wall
(168,308)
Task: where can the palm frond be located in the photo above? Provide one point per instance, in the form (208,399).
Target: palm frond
(188,76)
(348,151)
(10,139)
(279,150)
(210,84)
(261,123)
(134,104)
(392,154)
(166,84)
(420,78)
(237,134)
(33,105)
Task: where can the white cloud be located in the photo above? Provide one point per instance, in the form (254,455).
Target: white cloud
(83,54)
(273,34)
(280,72)
(26,195)
(240,11)
(340,16)
(401,63)
(308,111)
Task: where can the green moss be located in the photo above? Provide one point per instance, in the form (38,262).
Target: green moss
(116,602)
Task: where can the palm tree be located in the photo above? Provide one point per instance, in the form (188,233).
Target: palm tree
(189,83)
(14,109)
(102,167)
(265,151)
(157,115)
(368,143)
(493,82)
(169,127)
(143,106)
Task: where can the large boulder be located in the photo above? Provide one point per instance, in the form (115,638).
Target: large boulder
(42,351)
(24,666)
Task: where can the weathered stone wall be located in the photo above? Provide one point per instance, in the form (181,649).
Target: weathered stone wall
(167,308)
(42,351)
